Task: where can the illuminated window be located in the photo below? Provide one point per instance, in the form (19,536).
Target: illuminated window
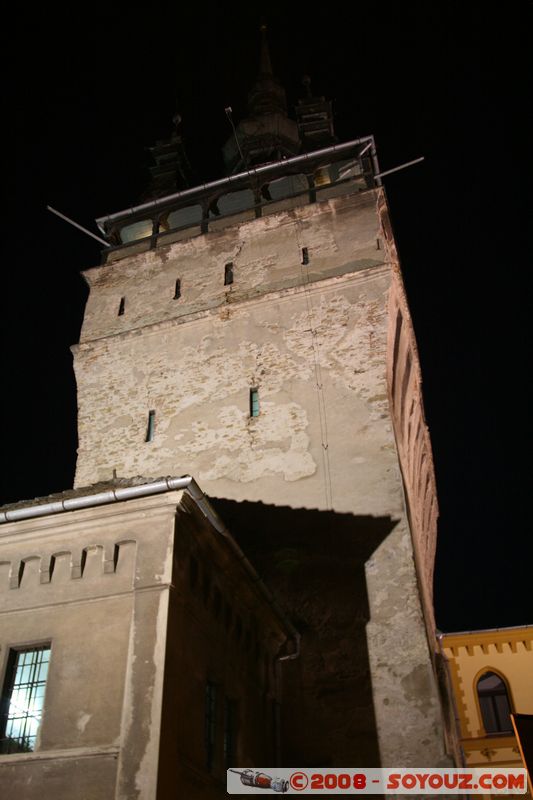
(494,704)
(23,698)
(254,402)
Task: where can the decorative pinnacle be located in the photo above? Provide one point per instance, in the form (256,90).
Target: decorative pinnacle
(266,64)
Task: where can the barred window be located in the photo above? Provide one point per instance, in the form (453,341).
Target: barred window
(23,698)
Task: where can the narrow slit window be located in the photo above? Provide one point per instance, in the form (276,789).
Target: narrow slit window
(150,427)
(254,402)
(177,290)
(23,699)
(228,274)
(121,306)
(305,255)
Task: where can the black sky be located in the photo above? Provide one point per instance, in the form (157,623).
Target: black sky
(89,91)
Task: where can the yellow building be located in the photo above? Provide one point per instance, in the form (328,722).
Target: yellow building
(491,673)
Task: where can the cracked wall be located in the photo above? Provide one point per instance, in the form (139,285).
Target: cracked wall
(315,340)
(316,355)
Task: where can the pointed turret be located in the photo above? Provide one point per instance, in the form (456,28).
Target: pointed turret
(171,169)
(267,134)
(315,120)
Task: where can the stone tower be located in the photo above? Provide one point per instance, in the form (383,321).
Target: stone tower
(254,332)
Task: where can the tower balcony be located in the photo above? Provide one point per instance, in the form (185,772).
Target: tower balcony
(265,189)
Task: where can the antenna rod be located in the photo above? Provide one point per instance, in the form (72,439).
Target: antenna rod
(402,166)
(77,225)
(230,117)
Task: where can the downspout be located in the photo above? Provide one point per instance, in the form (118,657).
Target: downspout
(451,693)
(277,701)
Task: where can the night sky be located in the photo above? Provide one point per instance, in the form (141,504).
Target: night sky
(446,81)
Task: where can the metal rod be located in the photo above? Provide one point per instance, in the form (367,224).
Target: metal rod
(77,225)
(229,116)
(402,166)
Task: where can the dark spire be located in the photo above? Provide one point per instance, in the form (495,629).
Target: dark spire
(266,64)
(267,133)
(171,170)
(267,94)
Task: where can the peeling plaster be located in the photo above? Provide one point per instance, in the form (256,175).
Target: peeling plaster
(83,719)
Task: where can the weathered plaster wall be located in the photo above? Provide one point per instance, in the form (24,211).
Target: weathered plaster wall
(406,699)
(317,357)
(88,584)
(313,339)
(340,235)
(157,606)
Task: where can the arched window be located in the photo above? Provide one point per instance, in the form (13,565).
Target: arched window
(494,703)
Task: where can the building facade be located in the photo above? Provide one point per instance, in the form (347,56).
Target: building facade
(490,673)
(271,349)
(139,653)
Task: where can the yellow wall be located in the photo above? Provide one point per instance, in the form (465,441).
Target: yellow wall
(509,653)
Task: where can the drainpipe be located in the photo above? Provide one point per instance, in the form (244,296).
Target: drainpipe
(453,700)
(277,701)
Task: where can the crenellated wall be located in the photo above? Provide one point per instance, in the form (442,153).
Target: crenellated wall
(142,603)
(83,582)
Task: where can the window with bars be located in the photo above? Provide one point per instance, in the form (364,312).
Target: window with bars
(23,698)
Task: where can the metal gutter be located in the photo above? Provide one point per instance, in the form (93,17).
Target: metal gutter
(266,168)
(485,630)
(188,484)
